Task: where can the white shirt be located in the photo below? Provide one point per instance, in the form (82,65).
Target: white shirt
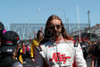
(59,54)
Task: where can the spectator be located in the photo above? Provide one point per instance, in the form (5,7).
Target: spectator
(9,42)
(19,53)
(2,31)
(84,48)
(27,51)
(23,52)
(96,56)
(36,42)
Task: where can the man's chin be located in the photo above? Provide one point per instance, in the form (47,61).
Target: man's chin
(55,36)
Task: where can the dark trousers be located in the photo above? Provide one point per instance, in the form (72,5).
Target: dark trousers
(23,56)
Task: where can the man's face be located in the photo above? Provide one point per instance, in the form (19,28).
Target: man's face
(55,28)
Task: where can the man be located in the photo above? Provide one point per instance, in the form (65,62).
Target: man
(27,50)
(96,55)
(9,42)
(57,50)
(20,52)
(84,48)
(36,42)
(2,31)
(23,52)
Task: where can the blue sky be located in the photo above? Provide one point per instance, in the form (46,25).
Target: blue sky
(26,11)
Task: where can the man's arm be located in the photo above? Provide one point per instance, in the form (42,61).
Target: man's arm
(17,64)
(80,61)
(38,59)
(92,62)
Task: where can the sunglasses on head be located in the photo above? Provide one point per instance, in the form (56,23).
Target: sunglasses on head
(53,26)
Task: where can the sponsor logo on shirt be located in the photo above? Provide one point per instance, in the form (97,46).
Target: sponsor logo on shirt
(57,57)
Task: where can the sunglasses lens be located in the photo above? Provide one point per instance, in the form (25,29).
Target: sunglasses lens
(53,26)
(58,26)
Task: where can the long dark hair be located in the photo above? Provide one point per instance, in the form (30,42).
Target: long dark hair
(64,33)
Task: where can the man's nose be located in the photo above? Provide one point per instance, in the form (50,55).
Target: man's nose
(55,28)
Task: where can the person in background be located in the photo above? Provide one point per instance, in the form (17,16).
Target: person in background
(9,42)
(96,55)
(57,49)
(89,49)
(84,48)
(36,42)
(27,50)
(19,53)
(23,52)
(2,31)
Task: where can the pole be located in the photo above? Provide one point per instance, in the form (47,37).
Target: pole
(67,25)
(89,24)
(78,24)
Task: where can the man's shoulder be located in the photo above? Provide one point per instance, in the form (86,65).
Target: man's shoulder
(69,41)
(10,62)
(73,42)
(44,45)
(17,64)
